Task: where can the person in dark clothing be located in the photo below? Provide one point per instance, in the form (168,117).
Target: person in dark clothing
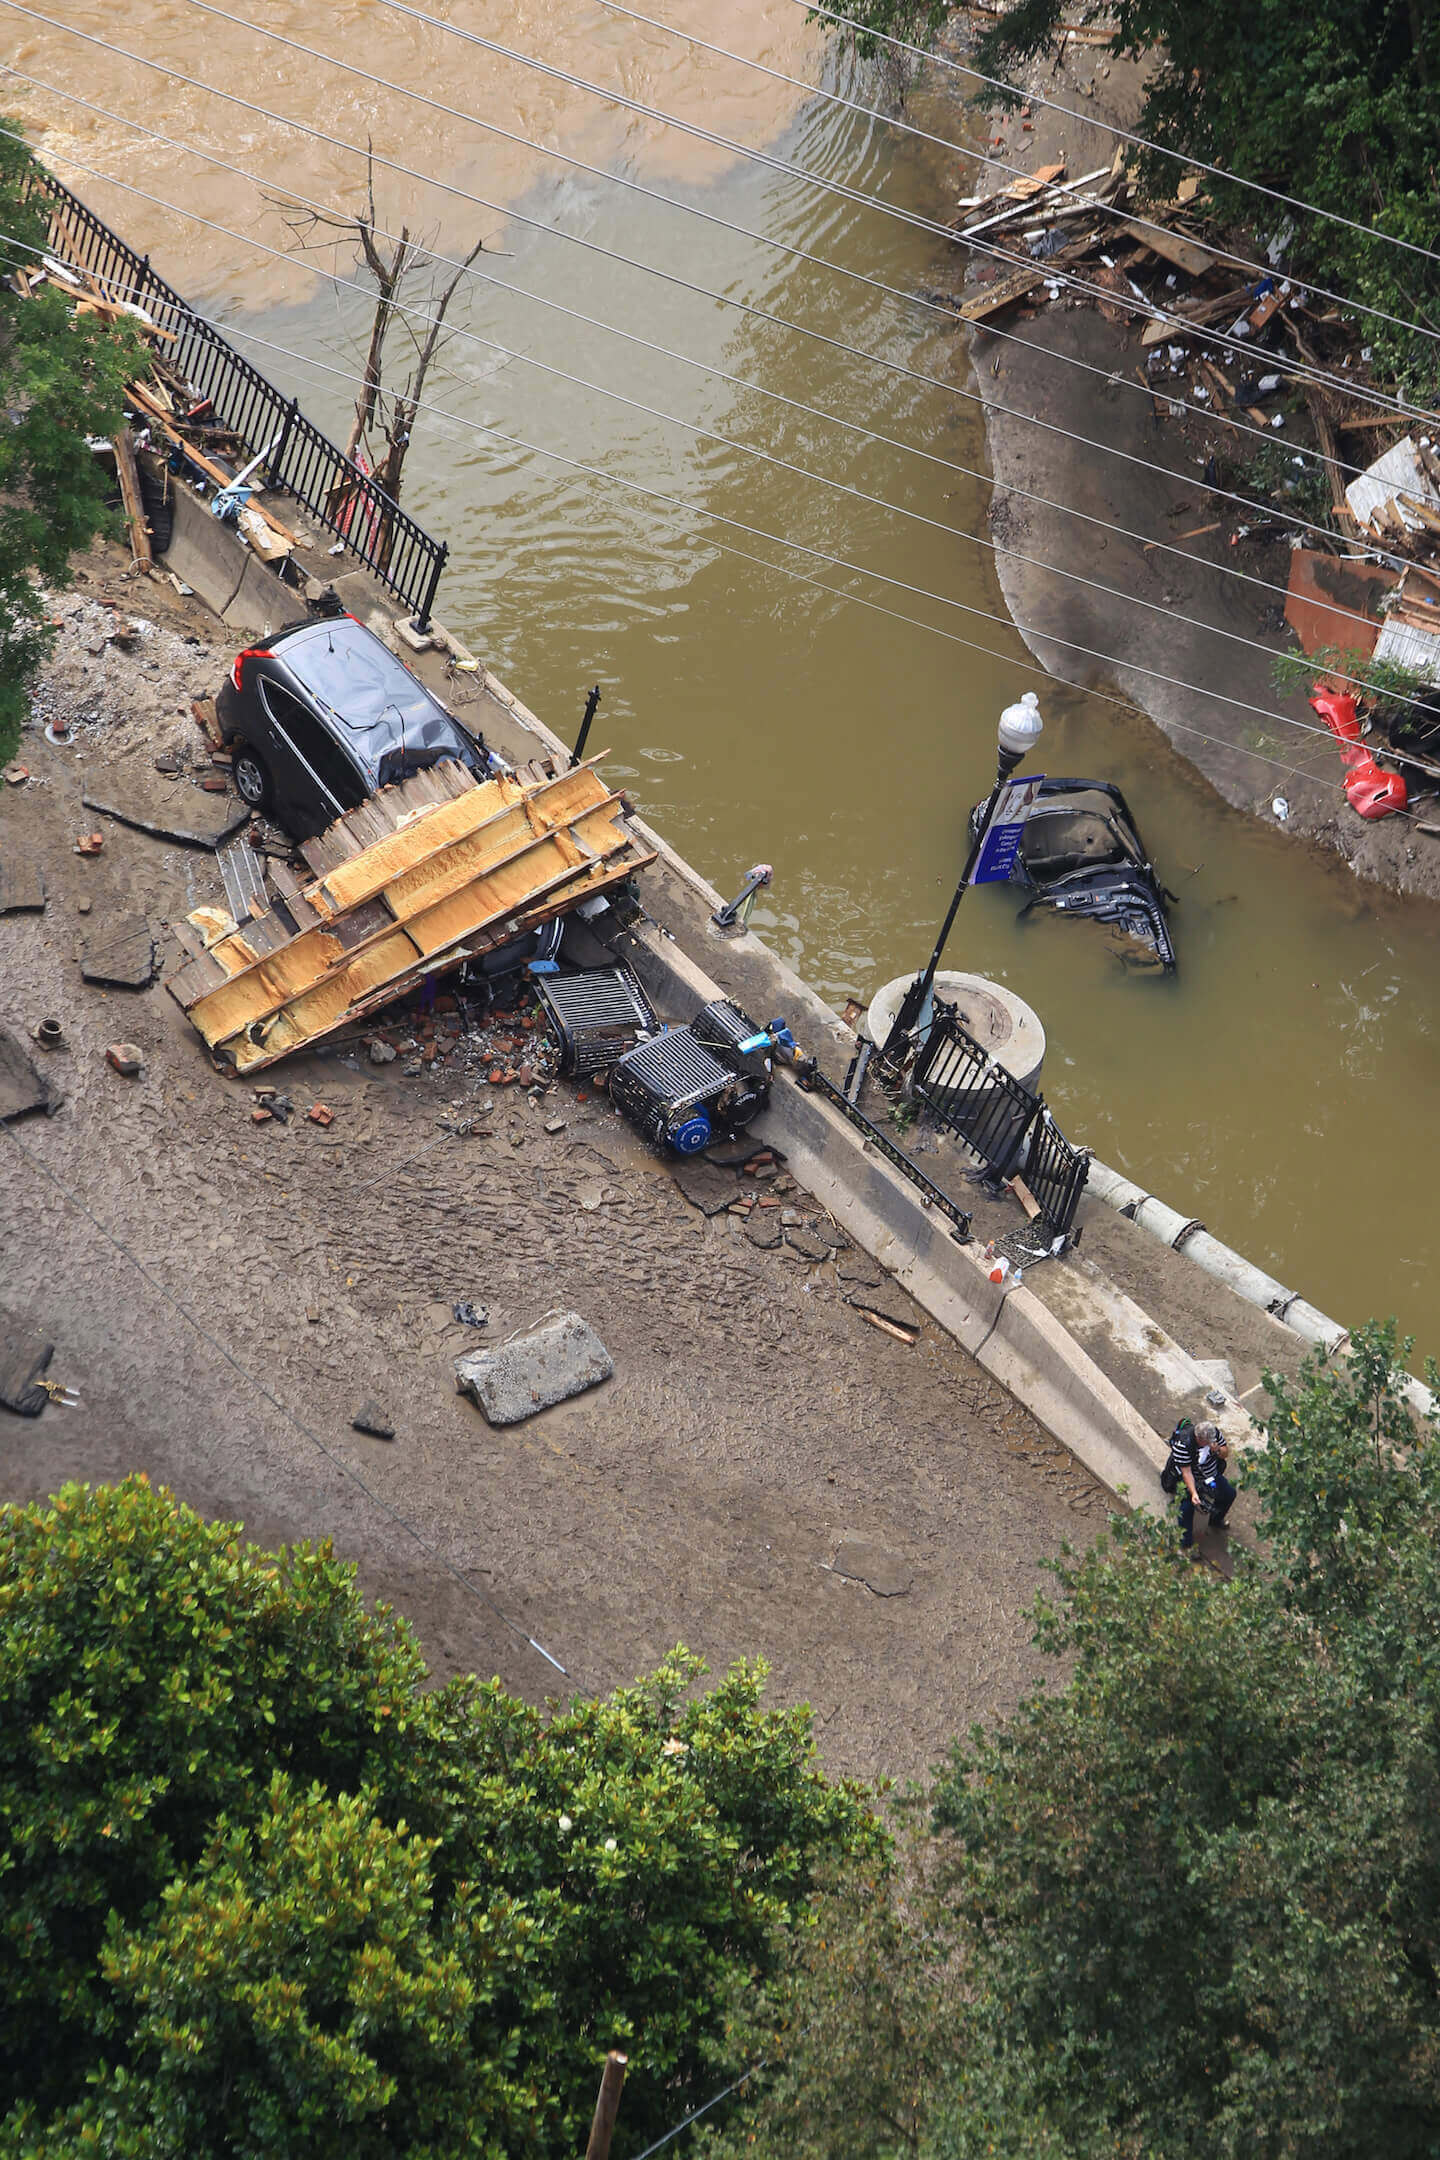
(1185,1471)
(1214,1454)
(1198,1456)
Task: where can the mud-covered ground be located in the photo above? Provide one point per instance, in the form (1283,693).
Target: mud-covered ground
(176,1252)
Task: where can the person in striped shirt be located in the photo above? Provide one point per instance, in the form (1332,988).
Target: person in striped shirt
(1198,1456)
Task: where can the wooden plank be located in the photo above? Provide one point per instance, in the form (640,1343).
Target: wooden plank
(1004,294)
(1186,255)
(265,982)
(138,394)
(359,988)
(130,496)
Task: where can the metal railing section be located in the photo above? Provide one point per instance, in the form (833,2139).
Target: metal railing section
(1000,1120)
(815,1082)
(303,461)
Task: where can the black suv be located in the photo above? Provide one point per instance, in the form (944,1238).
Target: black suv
(323,715)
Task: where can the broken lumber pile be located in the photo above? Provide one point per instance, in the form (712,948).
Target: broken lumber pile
(420,878)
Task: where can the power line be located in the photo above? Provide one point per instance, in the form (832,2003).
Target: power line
(792,171)
(688,507)
(963,607)
(879,502)
(1110,127)
(1027,663)
(1275,513)
(980,157)
(339,1462)
(709,367)
(789,248)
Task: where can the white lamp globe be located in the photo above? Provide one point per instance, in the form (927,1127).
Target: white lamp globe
(1021,726)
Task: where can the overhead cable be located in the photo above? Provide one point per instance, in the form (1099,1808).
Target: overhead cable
(688,505)
(986,159)
(912,218)
(743,449)
(1110,127)
(684,512)
(1109,378)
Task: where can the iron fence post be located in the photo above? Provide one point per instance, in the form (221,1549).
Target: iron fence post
(421,620)
(273,468)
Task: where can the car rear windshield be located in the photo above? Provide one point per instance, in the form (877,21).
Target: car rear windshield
(352,674)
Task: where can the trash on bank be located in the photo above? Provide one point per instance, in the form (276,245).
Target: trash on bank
(424,876)
(532,1370)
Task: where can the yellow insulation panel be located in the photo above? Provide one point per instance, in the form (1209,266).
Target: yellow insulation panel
(368,873)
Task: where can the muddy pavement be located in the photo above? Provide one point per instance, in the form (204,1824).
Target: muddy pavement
(757,1428)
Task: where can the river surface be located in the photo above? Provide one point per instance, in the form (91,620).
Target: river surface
(1283,1084)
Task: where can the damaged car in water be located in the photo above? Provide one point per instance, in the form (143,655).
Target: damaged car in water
(1080,853)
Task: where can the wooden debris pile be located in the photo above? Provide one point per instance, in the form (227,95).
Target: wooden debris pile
(420,878)
(1246,349)
(167,412)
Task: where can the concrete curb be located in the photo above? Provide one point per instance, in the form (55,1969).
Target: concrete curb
(1008,1331)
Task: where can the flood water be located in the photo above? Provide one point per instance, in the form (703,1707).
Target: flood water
(1283,1084)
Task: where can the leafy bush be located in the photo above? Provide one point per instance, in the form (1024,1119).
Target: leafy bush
(60,380)
(1189,1902)
(260,1892)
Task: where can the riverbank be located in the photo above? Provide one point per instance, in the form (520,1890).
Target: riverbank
(1252,743)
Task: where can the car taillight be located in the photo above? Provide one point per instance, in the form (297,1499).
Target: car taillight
(251,652)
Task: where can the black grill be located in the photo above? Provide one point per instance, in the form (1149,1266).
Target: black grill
(680,1092)
(597,1016)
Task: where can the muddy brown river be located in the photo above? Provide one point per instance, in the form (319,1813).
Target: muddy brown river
(1283,1084)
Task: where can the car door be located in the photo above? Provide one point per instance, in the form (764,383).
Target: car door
(315,780)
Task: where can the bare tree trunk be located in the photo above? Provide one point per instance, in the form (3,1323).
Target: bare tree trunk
(405,405)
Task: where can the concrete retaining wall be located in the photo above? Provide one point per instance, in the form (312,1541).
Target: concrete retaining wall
(228,576)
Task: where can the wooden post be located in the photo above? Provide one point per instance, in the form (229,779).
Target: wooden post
(607,2107)
(130,496)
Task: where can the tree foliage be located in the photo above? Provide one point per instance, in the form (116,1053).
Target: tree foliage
(1336,104)
(1188,1903)
(60,380)
(262,1893)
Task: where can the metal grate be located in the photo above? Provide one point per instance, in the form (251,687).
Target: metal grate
(675,1066)
(598,1016)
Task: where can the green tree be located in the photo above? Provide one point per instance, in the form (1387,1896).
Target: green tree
(261,1892)
(1188,1903)
(1336,104)
(60,381)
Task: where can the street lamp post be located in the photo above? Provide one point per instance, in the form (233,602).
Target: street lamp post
(1019,730)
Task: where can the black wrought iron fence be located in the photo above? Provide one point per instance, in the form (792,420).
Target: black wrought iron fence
(977,1098)
(298,456)
(1055,1172)
(1002,1121)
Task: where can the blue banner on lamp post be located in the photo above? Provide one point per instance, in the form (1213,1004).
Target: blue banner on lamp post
(1001,843)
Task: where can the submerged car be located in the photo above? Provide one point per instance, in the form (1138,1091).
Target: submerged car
(1081,853)
(323,715)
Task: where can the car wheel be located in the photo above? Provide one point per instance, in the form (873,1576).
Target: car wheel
(252,781)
